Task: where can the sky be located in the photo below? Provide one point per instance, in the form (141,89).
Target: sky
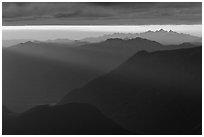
(101,13)
(76,20)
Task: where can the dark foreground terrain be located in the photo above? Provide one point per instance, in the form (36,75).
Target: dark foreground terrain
(69,119)
(151,93)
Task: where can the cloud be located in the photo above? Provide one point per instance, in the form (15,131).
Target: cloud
(101,13)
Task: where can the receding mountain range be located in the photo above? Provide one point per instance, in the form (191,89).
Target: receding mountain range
(67,42)
(13,42)
(161,36)
(116,86)
(52,70)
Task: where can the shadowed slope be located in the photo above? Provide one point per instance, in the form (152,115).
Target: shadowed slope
(74,118)
(31,80)
(151,93)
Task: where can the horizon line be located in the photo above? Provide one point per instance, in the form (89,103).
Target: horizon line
(93,30)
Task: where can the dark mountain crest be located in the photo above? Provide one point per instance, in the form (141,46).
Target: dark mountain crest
(136,39)
(34,42)
(114,39)
(27,42)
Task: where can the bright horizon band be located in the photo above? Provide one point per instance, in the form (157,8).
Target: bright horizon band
(79,32)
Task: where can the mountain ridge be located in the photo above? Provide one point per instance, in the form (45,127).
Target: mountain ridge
(161,36)
(150,91)
(166,40)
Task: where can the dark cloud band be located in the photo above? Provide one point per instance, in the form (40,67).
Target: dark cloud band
(100,13)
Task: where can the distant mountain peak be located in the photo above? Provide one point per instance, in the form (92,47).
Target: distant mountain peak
(171,31)
(162,36)
(161,30)
(27,42)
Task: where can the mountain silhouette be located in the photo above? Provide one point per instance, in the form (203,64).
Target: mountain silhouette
(37,73)
(151,93)
(161,36)
(12,42)
(128,46)
(68,119)
(66,41)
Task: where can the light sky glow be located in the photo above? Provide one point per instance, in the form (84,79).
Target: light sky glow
(80,32)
